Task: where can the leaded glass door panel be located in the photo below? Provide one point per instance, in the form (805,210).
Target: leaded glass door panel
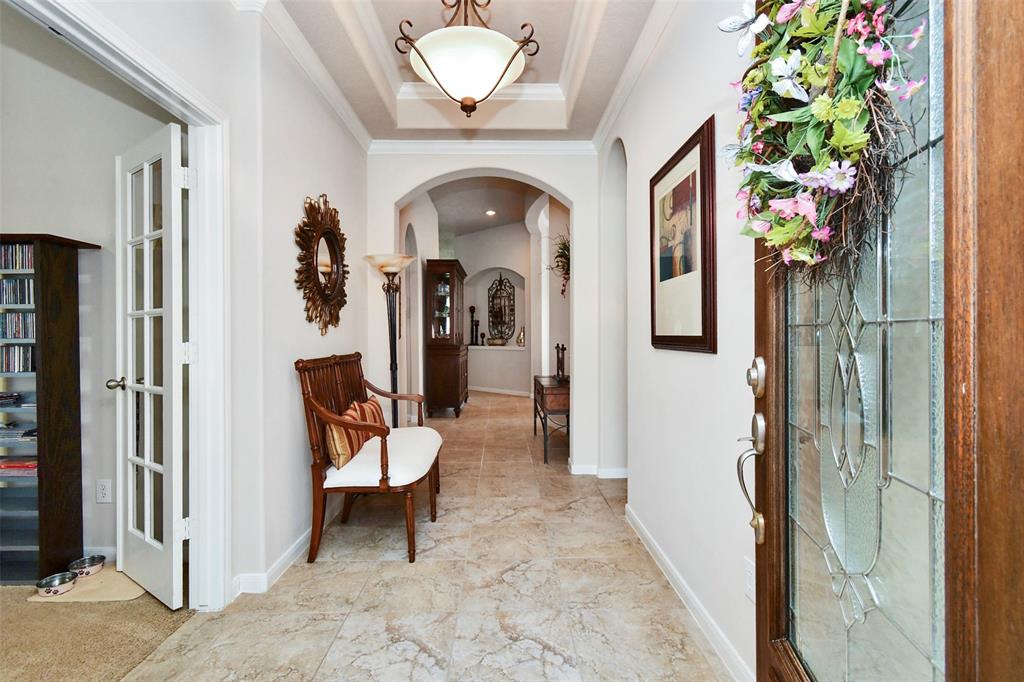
(857,418)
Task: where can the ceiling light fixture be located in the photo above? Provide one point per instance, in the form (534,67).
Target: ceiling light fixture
(491,212)
(467,63)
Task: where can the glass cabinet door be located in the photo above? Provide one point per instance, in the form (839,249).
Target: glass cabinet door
(441,306)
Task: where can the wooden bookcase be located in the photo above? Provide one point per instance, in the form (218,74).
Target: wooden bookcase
(41,511)
(447,357)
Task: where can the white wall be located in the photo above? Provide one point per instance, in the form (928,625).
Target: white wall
(399,171)
(687,409)
(65,118)
(296,122)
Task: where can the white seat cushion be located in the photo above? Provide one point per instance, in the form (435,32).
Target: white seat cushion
(411,452)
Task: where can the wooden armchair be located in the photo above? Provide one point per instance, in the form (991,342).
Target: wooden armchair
(391,460)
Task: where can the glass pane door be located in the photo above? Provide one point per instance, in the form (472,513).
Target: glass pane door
(865,431)
(146,347)
(441,302)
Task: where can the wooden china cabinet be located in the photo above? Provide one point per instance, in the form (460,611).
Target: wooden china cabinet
(447,357)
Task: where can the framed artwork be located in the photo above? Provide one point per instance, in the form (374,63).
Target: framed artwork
(683,307)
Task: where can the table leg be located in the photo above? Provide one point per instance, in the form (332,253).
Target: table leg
(544,424)
(535,417)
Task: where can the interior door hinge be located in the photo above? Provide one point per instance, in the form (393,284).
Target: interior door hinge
(188,354)
(185,529)
(186,177)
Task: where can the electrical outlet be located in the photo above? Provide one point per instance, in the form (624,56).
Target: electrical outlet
(751,576)
(104,491)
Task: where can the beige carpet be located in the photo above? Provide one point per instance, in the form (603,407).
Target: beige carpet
(107,585)
(79,641)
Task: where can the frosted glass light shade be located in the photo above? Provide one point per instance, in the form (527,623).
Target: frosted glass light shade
(467,60)
(389,262)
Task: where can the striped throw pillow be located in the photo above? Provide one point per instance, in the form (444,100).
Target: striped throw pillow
(343,444)
(371,411)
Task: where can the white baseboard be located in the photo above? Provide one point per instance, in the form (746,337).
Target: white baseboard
(582,469)
(257,583)
(731,658)
(613,472)
(502,391)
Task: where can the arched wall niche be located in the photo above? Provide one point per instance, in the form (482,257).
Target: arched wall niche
(396,177)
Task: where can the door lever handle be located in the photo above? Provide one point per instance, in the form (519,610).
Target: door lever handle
(756,517)
(114,384)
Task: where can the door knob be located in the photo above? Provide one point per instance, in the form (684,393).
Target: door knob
(756,517)
(114,384)
(756,377)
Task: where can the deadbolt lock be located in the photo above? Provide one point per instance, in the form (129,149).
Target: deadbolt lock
(756,377)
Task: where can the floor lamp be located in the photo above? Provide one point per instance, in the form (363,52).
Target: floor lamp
(389,265)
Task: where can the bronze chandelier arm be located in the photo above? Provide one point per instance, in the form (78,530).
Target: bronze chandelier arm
(404,38)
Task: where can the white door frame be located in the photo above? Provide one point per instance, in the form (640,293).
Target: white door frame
(88,30)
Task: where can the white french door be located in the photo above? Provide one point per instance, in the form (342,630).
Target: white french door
(150,352)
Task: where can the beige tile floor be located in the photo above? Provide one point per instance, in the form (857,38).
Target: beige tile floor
(529,573)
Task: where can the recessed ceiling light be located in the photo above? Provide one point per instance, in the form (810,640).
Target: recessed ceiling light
(491,212)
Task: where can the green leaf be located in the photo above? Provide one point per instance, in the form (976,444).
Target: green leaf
(815,139)
(801,115)
(847,140)
(858,74)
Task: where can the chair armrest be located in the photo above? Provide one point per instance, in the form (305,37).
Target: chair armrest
(351,424)
(411,397)
(367,427)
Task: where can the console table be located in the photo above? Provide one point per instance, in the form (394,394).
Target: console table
(550,399)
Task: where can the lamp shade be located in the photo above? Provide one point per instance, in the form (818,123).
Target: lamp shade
(389,262)
(467,60)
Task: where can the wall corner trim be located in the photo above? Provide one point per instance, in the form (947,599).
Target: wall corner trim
(651,35)
(258,583)
(731,658)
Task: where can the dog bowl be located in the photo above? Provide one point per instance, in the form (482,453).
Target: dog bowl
(86,566)
(55,584)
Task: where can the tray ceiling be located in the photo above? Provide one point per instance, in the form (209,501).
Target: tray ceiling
(584,46)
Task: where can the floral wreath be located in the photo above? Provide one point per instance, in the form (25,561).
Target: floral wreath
(821,140)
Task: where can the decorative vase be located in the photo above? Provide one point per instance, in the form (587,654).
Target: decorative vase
(521,338)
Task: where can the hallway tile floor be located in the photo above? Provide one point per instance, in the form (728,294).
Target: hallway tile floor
(529,573)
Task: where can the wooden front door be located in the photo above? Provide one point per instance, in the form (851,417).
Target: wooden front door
(887,552)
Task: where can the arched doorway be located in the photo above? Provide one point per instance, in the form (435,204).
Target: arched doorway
(612,457)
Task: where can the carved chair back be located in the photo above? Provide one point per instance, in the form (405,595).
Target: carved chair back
(335,383)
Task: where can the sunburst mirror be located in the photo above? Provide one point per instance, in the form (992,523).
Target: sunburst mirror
(322,270)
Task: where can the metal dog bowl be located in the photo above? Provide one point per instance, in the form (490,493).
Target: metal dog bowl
(87,566)
(55,584)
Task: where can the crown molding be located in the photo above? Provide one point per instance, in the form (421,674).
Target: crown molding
(483,147)
(537,92)
(583,31)
(283,25)
(249,5)
(651,35)
(364,30)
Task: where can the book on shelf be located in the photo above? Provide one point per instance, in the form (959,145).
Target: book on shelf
(18,466)
(10,399)
(17,325)
(20,358)
(17,291)
(16,257)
